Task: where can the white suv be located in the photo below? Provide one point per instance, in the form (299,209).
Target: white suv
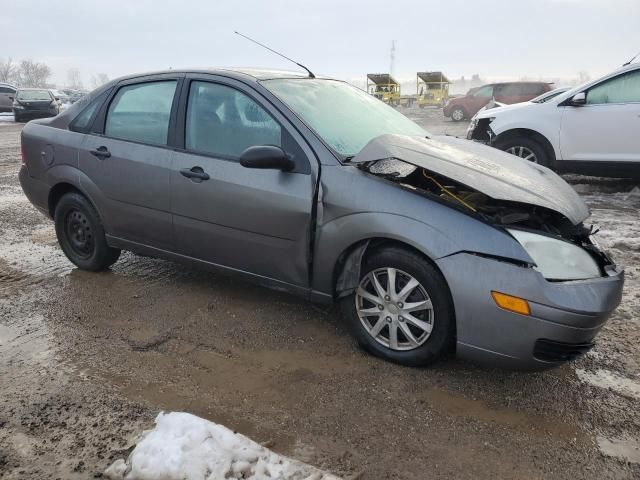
(592,129)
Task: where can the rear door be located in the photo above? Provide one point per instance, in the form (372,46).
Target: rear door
(606,128)
(255,221)
(128,158)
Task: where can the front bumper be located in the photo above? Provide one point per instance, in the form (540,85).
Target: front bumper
(565,316)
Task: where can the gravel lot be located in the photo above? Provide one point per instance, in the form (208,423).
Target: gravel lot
(87,361)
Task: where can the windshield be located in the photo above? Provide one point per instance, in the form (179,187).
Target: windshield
(545,97)
(33,95)
(344,116)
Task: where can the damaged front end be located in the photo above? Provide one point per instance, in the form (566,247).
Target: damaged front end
(549,229)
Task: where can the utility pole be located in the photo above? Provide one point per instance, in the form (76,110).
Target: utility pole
(393,57)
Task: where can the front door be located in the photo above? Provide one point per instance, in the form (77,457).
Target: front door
(254,221)
(130,163)
(606,128)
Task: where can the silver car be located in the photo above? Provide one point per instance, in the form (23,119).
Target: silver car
(429,244)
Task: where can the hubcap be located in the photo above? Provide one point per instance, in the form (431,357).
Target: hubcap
(79,233)
(394,309)
(457,115)
(523,152)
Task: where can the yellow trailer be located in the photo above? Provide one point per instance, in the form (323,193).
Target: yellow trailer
(384,87)
(432,88)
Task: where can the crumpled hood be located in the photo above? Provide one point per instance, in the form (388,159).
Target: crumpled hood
(497,174)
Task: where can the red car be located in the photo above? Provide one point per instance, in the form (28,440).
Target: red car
(468,105)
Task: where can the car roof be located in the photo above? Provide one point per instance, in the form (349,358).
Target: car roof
(245,73)
(34,88)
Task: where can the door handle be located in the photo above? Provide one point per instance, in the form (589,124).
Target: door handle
(195,173)
(101,152)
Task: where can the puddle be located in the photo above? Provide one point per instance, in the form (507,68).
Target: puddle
(624,449)
(457,406)
(606,379)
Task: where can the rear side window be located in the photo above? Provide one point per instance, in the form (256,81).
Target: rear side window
(141,112)
(621,89)
(7,90)
(224,121)
(82,123)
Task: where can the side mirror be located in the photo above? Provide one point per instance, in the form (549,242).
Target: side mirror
(57,98)
(11,97)
(267,157)
(579,99)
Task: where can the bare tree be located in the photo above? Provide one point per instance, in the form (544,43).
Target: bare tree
(8,71)
(33,74)
(99,80)
(74,79)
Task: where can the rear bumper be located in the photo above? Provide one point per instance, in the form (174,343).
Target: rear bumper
(36,191)
(565,316)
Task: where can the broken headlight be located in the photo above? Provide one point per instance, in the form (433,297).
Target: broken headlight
(556,259)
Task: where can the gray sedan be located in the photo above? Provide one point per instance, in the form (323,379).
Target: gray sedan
(429,244)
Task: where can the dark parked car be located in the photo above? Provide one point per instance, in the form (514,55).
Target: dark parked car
(7,94)
(34,103)
(312,186)
(468,105)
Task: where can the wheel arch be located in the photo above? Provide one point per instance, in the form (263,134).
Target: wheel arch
(347,270)
(532,134)
(58,191)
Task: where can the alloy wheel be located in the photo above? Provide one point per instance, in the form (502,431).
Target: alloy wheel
(457,115)
(523,152)
(394,308)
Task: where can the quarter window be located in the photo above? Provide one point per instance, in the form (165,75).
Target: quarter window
(141,112)
(82,122)
(223,121)
(621,89)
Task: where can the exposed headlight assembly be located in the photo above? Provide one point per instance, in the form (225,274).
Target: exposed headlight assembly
(557,259)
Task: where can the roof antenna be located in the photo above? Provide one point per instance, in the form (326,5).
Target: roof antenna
(311,75)
(636,56)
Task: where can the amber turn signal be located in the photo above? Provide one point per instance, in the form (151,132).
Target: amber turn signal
(511,303)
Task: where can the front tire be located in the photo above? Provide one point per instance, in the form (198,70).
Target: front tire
(526,148)
(457,114)
(81,234)
(402,309)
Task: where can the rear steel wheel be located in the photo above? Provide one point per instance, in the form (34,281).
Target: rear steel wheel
(79,233)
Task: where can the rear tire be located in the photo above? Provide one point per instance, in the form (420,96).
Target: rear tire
(81,234)
(457,114)
(526,148)
(425,313)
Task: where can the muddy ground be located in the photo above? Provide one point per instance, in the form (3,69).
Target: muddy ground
(87,360)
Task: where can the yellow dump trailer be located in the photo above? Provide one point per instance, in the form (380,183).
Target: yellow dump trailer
(384,87)
(432,88)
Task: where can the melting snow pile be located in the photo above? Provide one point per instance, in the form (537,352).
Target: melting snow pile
(185,447)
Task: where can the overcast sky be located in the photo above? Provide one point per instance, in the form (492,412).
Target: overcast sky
(341,38)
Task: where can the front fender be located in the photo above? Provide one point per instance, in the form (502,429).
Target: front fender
(337,236)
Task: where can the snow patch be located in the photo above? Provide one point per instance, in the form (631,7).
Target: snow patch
(611,381)
(185,447)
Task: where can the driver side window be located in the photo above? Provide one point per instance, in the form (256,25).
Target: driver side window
(224,121)
(621,89)
(484,92)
